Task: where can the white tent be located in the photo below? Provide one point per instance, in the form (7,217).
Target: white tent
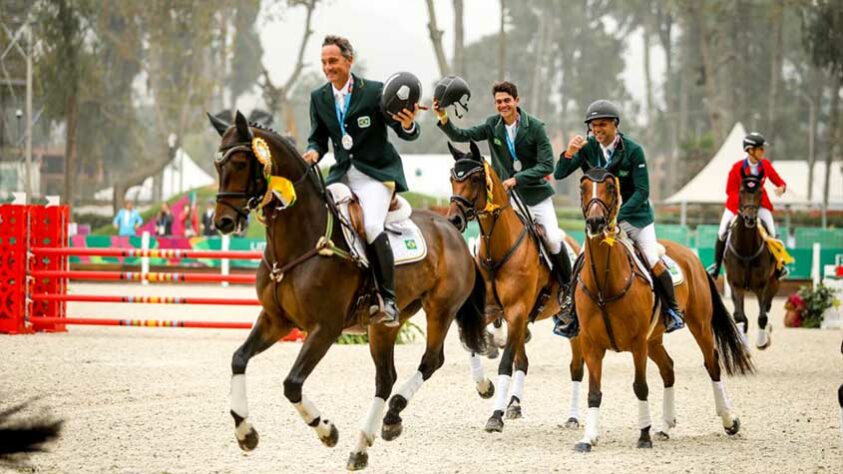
(179,175)
(709,185)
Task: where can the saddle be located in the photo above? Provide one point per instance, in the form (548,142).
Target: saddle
(405,237)
(676,273)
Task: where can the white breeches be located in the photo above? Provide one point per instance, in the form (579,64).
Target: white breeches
(645,238)
(374,197)
(544,214)
(763,213)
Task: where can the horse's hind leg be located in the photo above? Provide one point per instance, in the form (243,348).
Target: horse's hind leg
(266,331)
(485,387)
(740,316)
(705,340)
(765,299)
(381,346)
(312,351)
(438,322)
(577,372)
(660,356)
(639,357)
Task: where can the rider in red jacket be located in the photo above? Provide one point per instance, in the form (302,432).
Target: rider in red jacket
(753,164)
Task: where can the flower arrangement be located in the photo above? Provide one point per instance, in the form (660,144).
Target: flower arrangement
(805,308)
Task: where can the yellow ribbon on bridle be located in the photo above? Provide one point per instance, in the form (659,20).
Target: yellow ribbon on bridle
(277,187)
(490,206)
(611,232)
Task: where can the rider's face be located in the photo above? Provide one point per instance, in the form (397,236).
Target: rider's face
(604,130)
(335,66)
(756,153)
(507,106)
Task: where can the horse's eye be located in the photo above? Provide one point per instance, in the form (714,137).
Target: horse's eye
(240,165)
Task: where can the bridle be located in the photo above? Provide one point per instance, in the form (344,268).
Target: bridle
(466,206)
(597,176)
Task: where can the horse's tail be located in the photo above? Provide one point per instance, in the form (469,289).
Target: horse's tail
(471,317)
(733,353)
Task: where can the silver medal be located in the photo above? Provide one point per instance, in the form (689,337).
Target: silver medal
(517,165)
(347,142)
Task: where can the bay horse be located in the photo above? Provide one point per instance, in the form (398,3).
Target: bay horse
(307,280)
(516,280)
(617,309)
(750,266)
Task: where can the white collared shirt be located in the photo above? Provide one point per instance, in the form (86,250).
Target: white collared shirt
(512,129)
(753,169)
(339,95)
(609,151)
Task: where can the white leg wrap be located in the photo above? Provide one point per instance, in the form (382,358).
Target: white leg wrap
(502,392)
(307,410)
(763,335)
(242,430)
(575,400)
(370,425)
(592,427)
(841,422)
(411,385)
(644,414)
(668,410)
(239,403)
(476,368)
(518,384)
(721,403)
(741,332)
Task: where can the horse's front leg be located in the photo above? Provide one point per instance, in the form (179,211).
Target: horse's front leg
(765,299)
(740,316)
(312,351)
(266,331)
(594,361)
(577,372)
(381,347)
(516,323)
(521,364)
(639,386)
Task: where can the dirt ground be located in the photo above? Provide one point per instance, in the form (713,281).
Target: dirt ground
(147,400)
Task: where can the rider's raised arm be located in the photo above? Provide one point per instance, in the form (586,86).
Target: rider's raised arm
(318,138)
(565,166)
(773,174)
(408,135)
(478,133)
(641,180)
(544,158)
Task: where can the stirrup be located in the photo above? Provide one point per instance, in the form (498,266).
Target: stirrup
(713,270)
(385,312)
(673,320)
(561,328)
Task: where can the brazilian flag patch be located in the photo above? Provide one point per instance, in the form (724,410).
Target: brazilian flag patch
(410,244)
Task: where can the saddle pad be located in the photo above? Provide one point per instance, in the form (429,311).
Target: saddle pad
(676,273)
(675,270)
(405,237)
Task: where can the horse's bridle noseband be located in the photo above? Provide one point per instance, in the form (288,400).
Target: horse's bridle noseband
(599,175)
(468,207)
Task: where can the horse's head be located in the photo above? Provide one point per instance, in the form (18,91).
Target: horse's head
(600,200)
(251,172)
(468,183)
(750,200)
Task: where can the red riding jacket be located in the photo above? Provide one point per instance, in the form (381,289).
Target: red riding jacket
(733,186)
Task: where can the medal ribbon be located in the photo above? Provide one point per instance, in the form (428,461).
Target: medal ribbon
(342,112)
(510,144)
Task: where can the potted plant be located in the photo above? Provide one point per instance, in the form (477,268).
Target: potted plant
(806,307)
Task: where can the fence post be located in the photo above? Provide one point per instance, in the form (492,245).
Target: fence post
(144,260)
(815,264)
(226,242)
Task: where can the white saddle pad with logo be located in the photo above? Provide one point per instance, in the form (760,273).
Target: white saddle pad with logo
(676,273)
(405,237)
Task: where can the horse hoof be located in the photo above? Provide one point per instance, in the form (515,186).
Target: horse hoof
(357,461)
(645,444)
(528,336)
(489,393)
(495,423)
(390,432)
(513,411)
(582,447)
(332,438)
(662,435)
(250,441)
(572,423)
(733,430)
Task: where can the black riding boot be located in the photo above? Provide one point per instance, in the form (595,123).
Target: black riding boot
(562,270)
(383,265)
(719,251)
(673,315)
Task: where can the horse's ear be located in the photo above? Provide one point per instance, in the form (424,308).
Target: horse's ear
(219,125)
(475,152)
(243,129)
(454,152)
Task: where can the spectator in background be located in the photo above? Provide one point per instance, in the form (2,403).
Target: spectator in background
(164,222)
(190,220)
(208,228)
(127,219)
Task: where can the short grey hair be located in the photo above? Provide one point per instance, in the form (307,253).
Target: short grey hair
(342,43)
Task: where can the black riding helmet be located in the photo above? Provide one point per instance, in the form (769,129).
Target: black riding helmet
(452,90)
(602,109)
(400,91)
(753,140)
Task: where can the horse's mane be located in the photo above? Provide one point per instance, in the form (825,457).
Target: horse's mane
(285,142)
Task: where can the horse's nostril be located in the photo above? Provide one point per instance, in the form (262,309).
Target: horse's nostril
(225,224)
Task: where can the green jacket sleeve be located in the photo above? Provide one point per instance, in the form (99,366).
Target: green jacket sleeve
(318,138)
(403,134)
(477,133)
(565,166)
(642,181)
(544,160)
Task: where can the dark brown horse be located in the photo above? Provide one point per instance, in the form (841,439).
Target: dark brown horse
(750,266)
(307,281)
(617,309)
(516,280)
